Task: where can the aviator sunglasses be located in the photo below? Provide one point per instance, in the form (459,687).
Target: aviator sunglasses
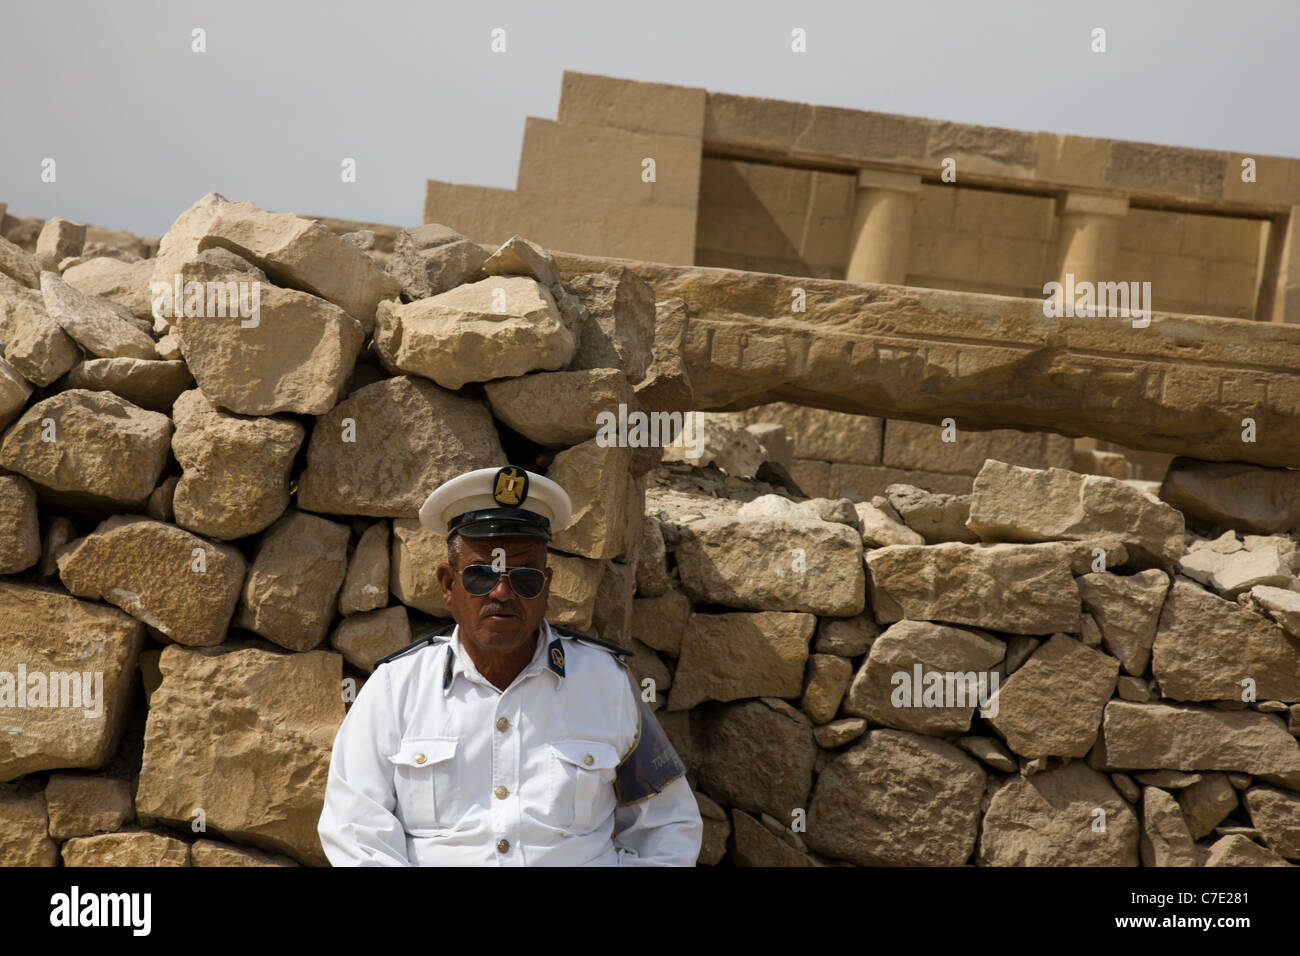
(480,579)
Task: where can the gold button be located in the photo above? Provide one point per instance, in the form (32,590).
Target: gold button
(589,760)
(503,724)
(501,793)
(419,758)
(503,846)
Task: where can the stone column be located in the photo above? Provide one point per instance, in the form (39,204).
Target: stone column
(1089,237)
(882,226)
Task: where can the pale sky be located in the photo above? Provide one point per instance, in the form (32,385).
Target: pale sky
(140,127)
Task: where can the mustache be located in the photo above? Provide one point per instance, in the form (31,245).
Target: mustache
(495,607)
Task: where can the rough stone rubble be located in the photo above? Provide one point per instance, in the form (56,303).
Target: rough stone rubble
(218,516)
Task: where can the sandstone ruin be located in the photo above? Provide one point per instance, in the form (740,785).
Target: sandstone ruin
(216,514)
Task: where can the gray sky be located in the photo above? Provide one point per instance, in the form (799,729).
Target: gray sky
(140,127)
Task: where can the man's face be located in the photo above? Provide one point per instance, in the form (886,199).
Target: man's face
(499,621)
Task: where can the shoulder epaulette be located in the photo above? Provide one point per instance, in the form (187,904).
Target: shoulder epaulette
(594,641)
(441,634)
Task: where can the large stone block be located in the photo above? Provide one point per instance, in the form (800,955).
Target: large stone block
(254,761)
(1019,588)
(1049,819)
(1237,495)
(498,327)
(416,554)
(383,449)
(1188,737)
(296,358)
(133,849)
(101,327)
(235,478)
(1052,705)
(20,527)
(90,450)
(757,756)
(881,695)
(620,329)
(596,479)
(897,799)
(731,656)
(559,409)
(920,446)
(154,385)
(289,594)
(302,254)
(35,344)
(176,582)
(24,840)
(1127,610)
(1180,385)
(773,564)
(1009,503)
(1206,648)
(77,655)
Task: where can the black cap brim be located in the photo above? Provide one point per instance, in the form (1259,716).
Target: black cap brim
(500,523)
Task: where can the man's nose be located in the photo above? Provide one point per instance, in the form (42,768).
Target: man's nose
(503,592)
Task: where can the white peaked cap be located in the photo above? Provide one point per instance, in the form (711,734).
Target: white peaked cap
(509,490)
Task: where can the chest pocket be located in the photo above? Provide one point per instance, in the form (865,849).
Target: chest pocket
(583,774)
(423,772)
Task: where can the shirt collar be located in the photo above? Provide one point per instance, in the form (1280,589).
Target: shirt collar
(548,656)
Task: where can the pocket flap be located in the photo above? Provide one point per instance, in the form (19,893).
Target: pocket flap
(424,751)
(587,754)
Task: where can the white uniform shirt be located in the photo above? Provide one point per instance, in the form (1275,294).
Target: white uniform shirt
(471,775)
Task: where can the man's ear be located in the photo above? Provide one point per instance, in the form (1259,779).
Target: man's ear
(446,576)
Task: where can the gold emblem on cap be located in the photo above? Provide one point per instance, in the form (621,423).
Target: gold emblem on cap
(511,487)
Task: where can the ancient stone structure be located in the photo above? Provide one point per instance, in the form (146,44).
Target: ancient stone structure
(205,547)
(796,189)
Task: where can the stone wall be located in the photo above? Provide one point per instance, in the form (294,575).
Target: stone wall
(213,517)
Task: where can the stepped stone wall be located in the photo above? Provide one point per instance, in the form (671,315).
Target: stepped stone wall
(208,535)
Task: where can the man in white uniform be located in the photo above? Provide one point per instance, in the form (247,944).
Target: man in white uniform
(504,740)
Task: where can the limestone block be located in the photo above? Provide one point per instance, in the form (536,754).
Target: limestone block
(382,450)
(620,330)
(498,327)
(1206,646)
(1047,820)
(255,762)
(83,805)
(1009,503)
(178,583)
(154,385)
(296,358)
(596,479)
(897,799)
(769,564)
(367,636)
(235,478)
(101,327)
(1127,610)
(105,452)
(732,656)
(878,694)
(48,632)
(1021,589)
(20,528)
(365,587)
(757,756)
(290,591)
